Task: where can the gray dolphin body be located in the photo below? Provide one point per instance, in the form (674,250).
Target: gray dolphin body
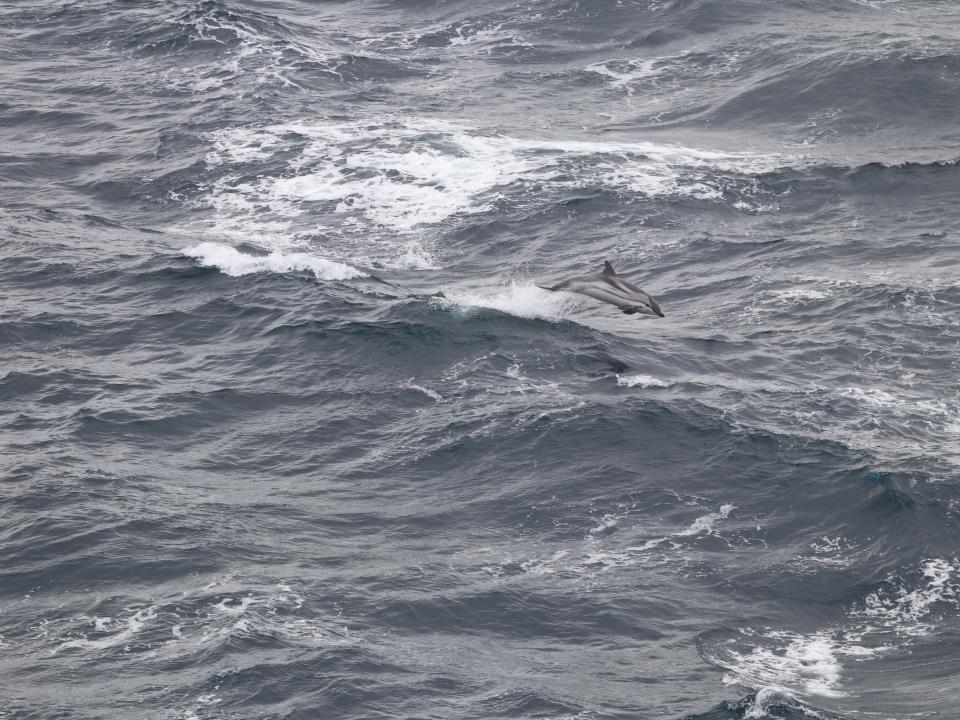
(609,287)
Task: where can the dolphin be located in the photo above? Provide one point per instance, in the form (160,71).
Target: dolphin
(609,287)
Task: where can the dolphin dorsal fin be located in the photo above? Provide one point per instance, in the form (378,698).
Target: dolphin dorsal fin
(608,268)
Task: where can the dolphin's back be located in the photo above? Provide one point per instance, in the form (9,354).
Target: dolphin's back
(597,286)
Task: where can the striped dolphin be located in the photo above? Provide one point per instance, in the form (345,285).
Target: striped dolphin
(609,287)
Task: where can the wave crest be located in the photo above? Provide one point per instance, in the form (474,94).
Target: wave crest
(232,262)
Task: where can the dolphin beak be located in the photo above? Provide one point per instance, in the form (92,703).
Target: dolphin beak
(656,308)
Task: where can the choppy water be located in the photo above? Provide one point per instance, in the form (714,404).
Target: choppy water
(251,469)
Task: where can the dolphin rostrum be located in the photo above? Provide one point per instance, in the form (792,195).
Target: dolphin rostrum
(609,287)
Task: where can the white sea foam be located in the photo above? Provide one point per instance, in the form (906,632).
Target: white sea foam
(872,396)
(483,34)
(905,609)
(232,606)
(545,566)
(490,35)
(605,523)
(195,618)
(774,301)
(704,523)
(426,391)
(643,381)
(399,177)
(240,145)
(797,664)
(248,54)
(793,295)
(905,409)
(877,4)
(888,412)
(825,551)
(788,662)
(916,282)
(373,180)
(131,626)
(522,300)
(413,256)
(599,551)
(231,261)
(623,73)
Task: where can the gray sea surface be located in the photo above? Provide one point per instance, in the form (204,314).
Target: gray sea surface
(253,466)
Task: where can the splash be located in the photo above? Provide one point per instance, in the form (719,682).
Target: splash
(521,300)
(232,262)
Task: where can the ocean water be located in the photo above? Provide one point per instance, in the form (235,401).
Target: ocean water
(254,466)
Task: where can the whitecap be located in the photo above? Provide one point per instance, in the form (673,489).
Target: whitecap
(704,523)
(793,663)
(605,523)
(232,606)
(404,175)
(469,35)
(132,625)
(872,396)
(413,256)
(426,391)
(643,381)
(232,262)
(786,662)
(904,609)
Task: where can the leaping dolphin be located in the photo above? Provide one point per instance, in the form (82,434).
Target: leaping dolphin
(609,287)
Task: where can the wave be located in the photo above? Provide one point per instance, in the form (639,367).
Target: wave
(894,87)
(232,262)
(776,460)
(193,626)
(888,623)
(205,24)
(365,183)
(660,74)
(488,34)
(212,44)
